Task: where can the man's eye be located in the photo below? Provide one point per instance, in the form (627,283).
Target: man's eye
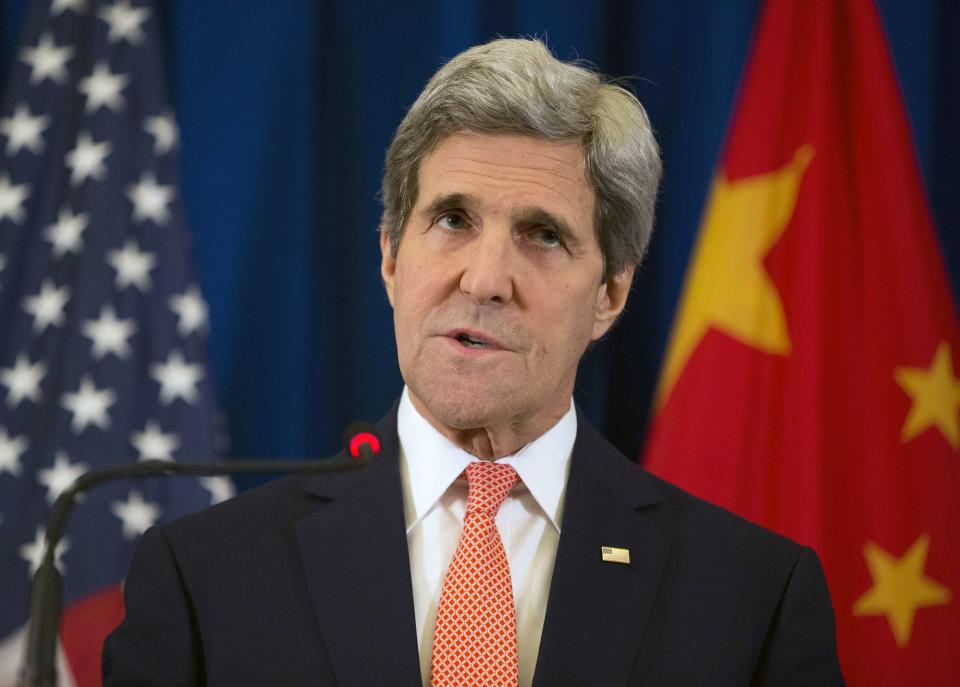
(547,237)
(452,221)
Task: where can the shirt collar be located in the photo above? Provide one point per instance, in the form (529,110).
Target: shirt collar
(431,463)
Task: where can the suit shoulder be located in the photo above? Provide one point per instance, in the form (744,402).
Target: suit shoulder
(256,510)
(261,510)
(699,520)
(701,524)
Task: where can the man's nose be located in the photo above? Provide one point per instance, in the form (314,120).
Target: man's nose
(488,273)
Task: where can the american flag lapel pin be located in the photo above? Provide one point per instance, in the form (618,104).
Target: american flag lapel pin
(612,554)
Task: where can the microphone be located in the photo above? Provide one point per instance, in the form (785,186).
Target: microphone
(46,595)
(361,440)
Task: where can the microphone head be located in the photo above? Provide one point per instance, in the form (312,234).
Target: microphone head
(360,440)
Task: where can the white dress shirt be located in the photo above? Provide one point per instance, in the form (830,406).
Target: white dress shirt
(434,503)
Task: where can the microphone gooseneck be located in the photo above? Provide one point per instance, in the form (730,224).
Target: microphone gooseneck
(46,597)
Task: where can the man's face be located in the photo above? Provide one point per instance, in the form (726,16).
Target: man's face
(497,284)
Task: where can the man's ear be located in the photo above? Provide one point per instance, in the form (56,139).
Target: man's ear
(611,299)
(388,264)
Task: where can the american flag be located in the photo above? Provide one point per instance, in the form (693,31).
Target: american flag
(102,325)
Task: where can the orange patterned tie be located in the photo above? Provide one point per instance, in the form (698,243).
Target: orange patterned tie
(475,639)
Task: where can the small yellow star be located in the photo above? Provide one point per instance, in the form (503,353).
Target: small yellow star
(727,286)
(935,393)
(899,587)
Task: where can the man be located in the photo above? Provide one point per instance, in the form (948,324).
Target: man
(498,540)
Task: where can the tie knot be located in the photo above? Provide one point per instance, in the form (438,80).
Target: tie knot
(488,484)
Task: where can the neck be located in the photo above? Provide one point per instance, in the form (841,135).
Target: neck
(496,439)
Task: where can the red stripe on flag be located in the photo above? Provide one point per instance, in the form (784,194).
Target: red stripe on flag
(84,626)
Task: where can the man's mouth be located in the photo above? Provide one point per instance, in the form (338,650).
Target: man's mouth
(474,340)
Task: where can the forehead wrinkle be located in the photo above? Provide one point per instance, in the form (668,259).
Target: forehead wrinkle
(518,169)
(498,175)
(471,140)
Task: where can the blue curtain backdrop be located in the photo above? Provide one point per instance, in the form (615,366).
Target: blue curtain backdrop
(285,110)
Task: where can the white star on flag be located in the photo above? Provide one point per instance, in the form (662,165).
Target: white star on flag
(153,444)
(23,380)
(177,378)
(23,130)
(60,6)
(47,306)
(60,477)
(109,335)
(11,448)
(86,159)
(66,234)
(124,22)
(33,552)
(132,265)
(220,488)
(191,311)
(164,132)
(150,199)
(102,88)
(89,405)
(11,199)
(136,514)
(47,61)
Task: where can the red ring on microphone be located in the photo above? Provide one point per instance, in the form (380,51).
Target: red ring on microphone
(361,438)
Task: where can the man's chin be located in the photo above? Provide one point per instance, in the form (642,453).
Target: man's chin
(463,408)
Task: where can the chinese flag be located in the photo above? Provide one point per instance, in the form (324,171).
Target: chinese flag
(811,382)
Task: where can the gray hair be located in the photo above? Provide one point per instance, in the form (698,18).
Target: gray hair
(517,85)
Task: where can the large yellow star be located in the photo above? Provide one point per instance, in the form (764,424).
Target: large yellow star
(899,587)
(935,393)
(727,286)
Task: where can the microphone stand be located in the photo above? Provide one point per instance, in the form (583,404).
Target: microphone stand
(46,593)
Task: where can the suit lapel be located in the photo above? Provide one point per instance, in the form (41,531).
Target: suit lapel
(354,550)
(597,611)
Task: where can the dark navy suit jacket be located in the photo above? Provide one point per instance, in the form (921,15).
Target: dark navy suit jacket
(306,581)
